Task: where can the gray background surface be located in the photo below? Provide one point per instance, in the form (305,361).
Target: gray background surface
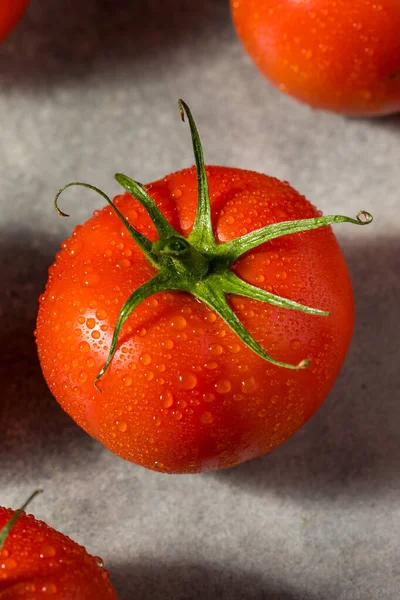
(88,88)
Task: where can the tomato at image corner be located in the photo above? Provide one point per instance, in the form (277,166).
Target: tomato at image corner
(183,393)
(339,55)
(10,13)
(38,562)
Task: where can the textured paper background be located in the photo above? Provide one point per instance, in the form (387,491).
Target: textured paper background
(89,88)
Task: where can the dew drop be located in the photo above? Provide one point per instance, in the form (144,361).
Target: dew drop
(91,280)
(84,347)
(145,358)
(99,561)
(178,322)
(127,381)
(216,349)
(223,386)
(209,397)
(187,380)
(121,426)
(47,552)
(295,344)
(81,320)
(167,399)
(82,377)
(176,193)
(211,317)
(49,588)
(77,332)
(96,334)
(101,314)
(262,412)
(90,323)
(249,385)
(177,415)
(206,418)
(8,563)
(168,344)
(211,365)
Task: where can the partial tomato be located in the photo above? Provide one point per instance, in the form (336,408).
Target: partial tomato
(339,55)
(10,13)
(38,562)
(210,315)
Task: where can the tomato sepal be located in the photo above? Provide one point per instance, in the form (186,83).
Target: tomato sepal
(4,532)
(198,264)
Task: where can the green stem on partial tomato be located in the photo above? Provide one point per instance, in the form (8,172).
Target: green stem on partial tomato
(8,526)
(198,264)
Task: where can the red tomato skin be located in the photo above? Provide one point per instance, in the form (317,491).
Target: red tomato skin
(338,55)
(10,13)
(39,562)
(183,394)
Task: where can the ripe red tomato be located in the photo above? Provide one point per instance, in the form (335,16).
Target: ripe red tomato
(184,391)
(10,13)
(39,562)
(339,55)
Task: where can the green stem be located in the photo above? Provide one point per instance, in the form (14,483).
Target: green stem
(215,299)
(239,246)
(202,235)
(142,241)
(153,286)
(8,526)
(231,284)
(164,228)
(197,264)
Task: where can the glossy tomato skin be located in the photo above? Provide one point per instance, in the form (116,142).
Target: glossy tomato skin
(183,393)
(332,54)
(10,13)
(38,562)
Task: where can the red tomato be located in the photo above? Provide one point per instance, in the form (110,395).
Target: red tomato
(183,393)
(340,55)
(189,385)
(10,13)
(38,562)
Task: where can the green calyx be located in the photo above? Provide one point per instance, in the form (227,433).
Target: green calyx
(8,526)
(198,264)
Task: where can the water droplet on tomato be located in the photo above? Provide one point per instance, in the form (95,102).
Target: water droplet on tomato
(209,397)
(145,358)
(47,552)
(295,344)
(82,377)
(262,412)
(167,399)
(223,386)
(8,563)
(177,415)
(187,380)
(211,317)
(49,588)
(211,365)
(249,385)
(206,418)
(121,426)
(91,280)
(90,323)
(176,193)
(84,347)
(178,322)
(168,344)
(99,561)
(96,334)
(127,380)
(216,349)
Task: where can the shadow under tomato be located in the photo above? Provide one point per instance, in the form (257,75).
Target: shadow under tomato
(350,447)
(33,427)
(152,580)
(71,39)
